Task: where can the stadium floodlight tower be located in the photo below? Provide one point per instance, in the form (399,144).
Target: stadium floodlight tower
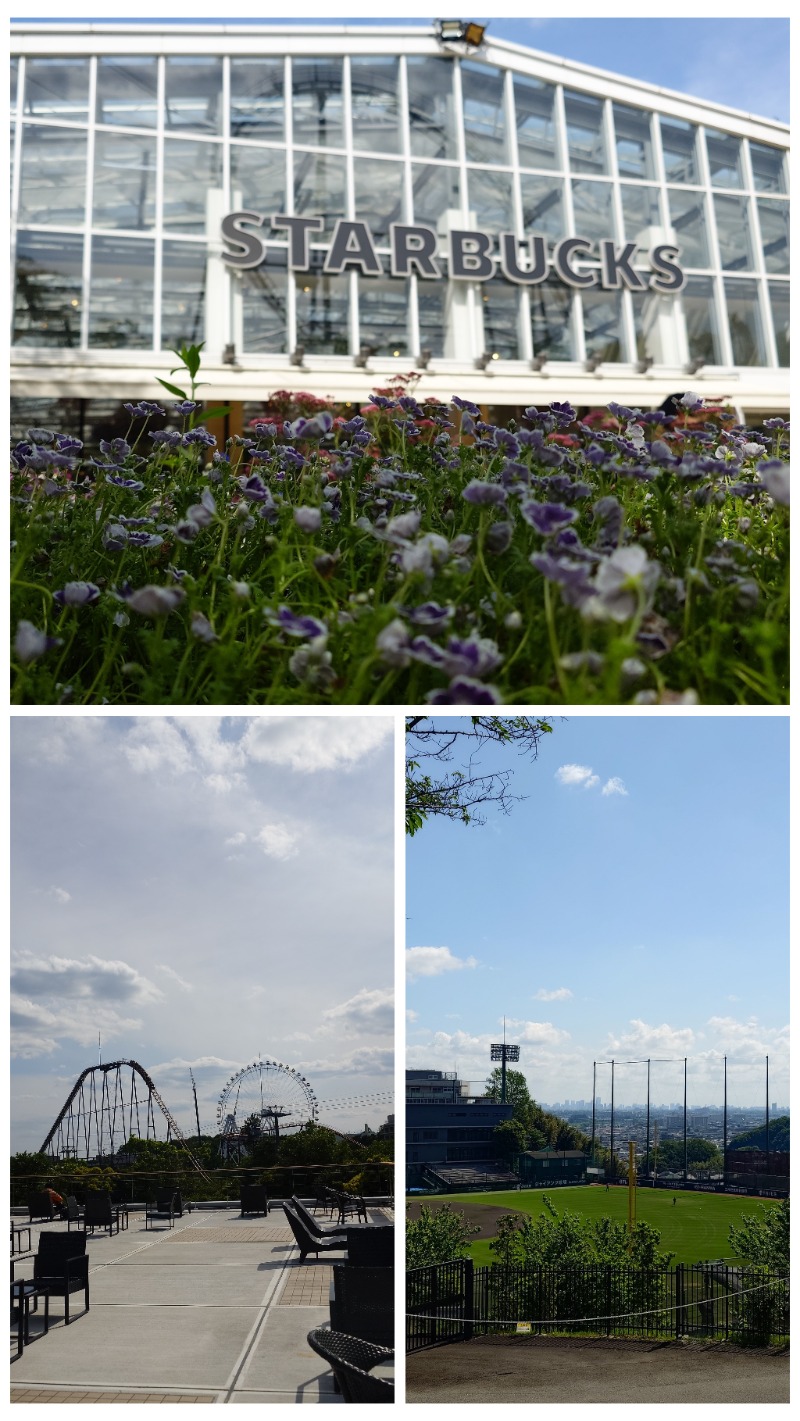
(503,1052)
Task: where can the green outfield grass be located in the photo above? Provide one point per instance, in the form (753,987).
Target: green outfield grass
(695,1228)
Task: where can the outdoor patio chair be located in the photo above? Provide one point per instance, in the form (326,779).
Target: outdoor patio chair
(362,1303)
(313,1225)
(311,1243)
(72,1211)
(40,1206)
(162,1208)
(350,1205)
(351,1359)
(253,1199)
(61,1265)
(177,1200)
(370,1247)
(100,1213)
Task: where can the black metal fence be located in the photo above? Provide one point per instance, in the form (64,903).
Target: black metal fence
(451,1302)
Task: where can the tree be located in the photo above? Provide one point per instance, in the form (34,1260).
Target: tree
(763,1238)
(437,1236)
(458,793)
(517,1094)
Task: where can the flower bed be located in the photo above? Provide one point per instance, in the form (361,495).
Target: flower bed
(410,554)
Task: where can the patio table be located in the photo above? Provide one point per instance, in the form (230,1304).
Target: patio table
(23,1293)
(18,1230)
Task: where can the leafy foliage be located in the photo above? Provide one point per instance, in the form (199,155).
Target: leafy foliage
(437,1236)
(763,1237)
(411,553)
(756,1139)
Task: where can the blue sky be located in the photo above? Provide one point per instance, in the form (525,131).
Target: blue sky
(186,886)
(634,905)
(741,62)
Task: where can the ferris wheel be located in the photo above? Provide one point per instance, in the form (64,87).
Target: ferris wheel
(266,1097)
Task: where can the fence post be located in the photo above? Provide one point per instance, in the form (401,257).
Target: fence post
(608,1300)
(469,1298)
(679,1299)
(434,1301)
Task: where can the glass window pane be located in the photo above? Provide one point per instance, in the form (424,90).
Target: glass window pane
(317,102)
(430,106)
(264,295)
(602,324)
(594,217)
(551,327)
(640,213)
(435,191)
(779,305)
(679,144)
(127,90)
(482,90)
(744,319)
(193,94)
(53,185)
(183,286)
(773,218)
(543,206)
(700,311)
(257,107)
(189,170)
(258,182)
(379,196)
(500,302)
(491,201)
(383,315)
(121,301)
(323,307)
(57,88)
(587,148)
(319,190)
(733,232)
(43,412)
(124,181)
(536,128)
(634,144)
(14,83)
(687,214)
(48,292)
(374,84)
(652,318)
(769,167)
(433,298)
(724,158)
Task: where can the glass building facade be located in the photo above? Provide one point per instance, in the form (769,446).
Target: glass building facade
(130,144)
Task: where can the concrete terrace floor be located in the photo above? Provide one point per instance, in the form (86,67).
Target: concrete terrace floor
(216,1309)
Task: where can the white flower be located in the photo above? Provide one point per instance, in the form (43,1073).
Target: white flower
(241,590)
(392,643)
(421,556)
(308,520)
(777,483)
(153,601)
(202,628)
(30,643)
(622,581)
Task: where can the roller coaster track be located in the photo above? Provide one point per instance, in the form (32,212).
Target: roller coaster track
(93,1110)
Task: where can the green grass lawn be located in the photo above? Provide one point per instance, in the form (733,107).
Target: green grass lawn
(695,1228)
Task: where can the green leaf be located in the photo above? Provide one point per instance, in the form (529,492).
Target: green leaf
(173,389)
(211,414)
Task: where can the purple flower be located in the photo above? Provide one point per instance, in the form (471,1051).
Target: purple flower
(202,628)
(476,656)
(142,539)
(392,644)
(30,643)
(315,428)
(498,537)
(77,594)
(308,520)
(564,413)
(430,614)
(153,601)
(623,584)
(571,576)
(132,485)
(293,625)
(466,405)
(198,436)
(120,448)
(40,436)
(170,437)
(185,406)
(547,518)
(482,493)
(463,691)
(504,439)
(405,525)
(775,475)
(144,409)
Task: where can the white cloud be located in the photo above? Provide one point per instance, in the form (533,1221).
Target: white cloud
(614,786)
(277,841)
(576,775)
(643,1039)
(433,961)
(558,994)
(236,839)
(536,1033)
(38,1029)
(309,743)
(60,894)
(366,1011)
(168,972)
(155,744)
(223,784)
(412,1015)
(89,978)
(366,1061)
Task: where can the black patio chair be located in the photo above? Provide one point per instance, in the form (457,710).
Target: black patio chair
(313,1225)
(312,1243)
(41,1206)
(72,1211)
(61,1265)
(351,1205)
(253,1199)
(163,1207)
(100,1213)
(371,1246)
(351,1359)
(362,1303)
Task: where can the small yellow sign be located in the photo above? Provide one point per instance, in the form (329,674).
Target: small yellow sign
(523,1327)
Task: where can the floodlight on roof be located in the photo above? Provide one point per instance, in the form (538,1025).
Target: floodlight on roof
(460,32)
(501,1049)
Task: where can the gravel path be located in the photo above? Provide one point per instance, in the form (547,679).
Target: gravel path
(540,1369)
